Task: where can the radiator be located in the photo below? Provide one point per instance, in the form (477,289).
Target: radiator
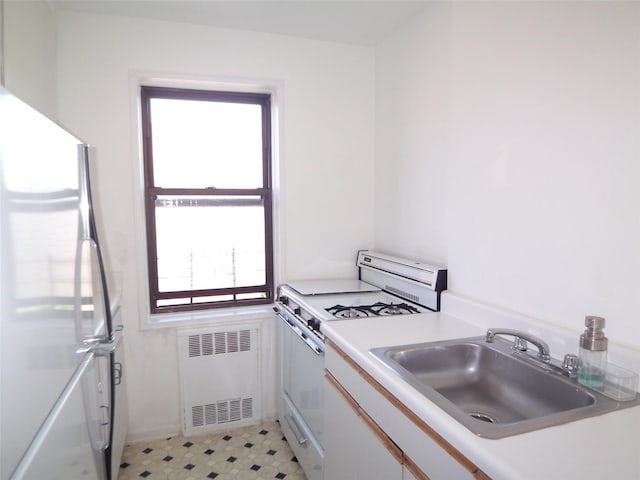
(219,374)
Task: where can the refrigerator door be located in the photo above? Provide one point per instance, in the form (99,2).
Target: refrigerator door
(69,442)
(50,305)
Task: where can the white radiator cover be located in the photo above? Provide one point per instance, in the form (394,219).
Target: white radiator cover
(219,372)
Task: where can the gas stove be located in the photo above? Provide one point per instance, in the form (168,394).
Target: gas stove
(387,286)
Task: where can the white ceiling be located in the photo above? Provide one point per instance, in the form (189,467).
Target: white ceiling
(345,21)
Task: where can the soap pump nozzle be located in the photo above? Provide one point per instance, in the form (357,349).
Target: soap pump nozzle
(593,338)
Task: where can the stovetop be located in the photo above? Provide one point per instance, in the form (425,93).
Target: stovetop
(387,286)
(367,301)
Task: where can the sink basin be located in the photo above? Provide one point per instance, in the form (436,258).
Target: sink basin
(491,390)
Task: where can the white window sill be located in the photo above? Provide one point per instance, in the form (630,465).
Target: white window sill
(207,317)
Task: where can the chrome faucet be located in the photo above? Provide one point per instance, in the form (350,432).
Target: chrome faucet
(520,341)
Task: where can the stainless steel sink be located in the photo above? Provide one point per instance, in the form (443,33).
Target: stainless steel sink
(491,390)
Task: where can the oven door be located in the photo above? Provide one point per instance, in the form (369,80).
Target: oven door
(301,416)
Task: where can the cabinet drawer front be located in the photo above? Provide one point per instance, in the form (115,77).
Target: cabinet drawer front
(305,446)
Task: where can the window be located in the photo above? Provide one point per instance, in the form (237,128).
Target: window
(208,198)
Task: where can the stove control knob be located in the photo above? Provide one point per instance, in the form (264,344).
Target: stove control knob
(297,311)
(314,324)
(284,300)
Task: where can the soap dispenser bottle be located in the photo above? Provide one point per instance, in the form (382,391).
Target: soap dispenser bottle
(592,358)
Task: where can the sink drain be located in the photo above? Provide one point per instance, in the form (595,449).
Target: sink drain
(483,417)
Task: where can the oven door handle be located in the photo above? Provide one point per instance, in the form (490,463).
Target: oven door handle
(293,425)
(315,347)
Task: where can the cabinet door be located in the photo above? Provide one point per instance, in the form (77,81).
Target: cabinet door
(342,429)
(352,449)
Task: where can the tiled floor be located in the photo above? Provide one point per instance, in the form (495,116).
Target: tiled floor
(249,453)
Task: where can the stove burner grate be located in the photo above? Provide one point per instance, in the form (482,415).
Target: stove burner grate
(375,310)
(341,311)
(394,308)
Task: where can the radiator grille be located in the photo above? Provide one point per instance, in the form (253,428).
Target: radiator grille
(245,340)
(207,344)
(247,407)
(223,411)
(194,346)
(210,414)
(219,375)
(219,343)
(197,416)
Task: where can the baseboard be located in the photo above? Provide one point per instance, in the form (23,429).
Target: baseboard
(167,431)
(164,431)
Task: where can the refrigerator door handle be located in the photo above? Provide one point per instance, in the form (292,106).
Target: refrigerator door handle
(88,345)
(85,193)
(89,230)
(92,326)
(98,346)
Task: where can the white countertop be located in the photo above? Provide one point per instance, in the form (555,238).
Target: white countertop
(603,447)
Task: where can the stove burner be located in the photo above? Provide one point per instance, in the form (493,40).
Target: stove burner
(377,309)
(341,311)
(393,308)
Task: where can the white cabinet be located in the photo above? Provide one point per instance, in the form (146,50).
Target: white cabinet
(355,448)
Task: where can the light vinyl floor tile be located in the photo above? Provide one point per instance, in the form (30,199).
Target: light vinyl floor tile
(257,452)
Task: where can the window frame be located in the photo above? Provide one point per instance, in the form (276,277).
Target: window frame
(151,192)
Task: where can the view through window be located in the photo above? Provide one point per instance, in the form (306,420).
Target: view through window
(207,168)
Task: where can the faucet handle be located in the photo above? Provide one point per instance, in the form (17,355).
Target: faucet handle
(519,344)
(570,365)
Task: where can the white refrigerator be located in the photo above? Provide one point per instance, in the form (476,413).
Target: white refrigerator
(57,368)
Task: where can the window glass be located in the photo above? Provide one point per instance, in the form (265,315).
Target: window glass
(204,245)
(200,144)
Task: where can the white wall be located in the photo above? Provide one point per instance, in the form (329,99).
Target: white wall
(30,54)
(325,105)
(413,82)
(516,127)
